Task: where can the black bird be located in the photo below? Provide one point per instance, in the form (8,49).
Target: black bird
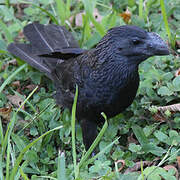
(107,75)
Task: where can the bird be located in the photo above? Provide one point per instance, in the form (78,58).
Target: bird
(106,75)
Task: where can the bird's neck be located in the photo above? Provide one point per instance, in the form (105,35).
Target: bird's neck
(128,73)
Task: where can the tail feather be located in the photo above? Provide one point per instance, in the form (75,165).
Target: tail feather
(63,38)
(49,45)
(46,39)
(24,51)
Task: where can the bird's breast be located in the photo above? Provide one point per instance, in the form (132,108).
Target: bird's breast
(109,91)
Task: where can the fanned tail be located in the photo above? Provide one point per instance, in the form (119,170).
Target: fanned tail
(49,45)
(46,39)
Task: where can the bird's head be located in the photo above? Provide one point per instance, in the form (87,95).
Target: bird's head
(134,44)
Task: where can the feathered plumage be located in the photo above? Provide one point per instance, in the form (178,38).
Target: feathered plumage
(107,76)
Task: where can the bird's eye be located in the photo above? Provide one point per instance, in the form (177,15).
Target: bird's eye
(136,41)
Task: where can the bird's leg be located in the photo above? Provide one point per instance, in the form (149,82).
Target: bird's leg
(89,132)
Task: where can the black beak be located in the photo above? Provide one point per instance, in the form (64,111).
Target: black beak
(156,45)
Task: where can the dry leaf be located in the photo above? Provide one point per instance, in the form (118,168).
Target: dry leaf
(16,100)
(178,44)
(126,15)
(96,15)
(20,36)
(178,161)
(79,20)
(137,166)
(16,83)
(159,117)
(12,62)
(6,113)
(173,107)
(31,87)
(122,166)
(131,139)
(177,73)
(168,167)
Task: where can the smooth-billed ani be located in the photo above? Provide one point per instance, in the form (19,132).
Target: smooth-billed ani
(107,75)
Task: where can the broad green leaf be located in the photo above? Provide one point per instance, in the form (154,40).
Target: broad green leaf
(155,173)
(7,34)
(32,156)
(164,91)
(18,141)
(129,176)
(134,148)
(176,83)
(138,131)
(152,148)
(162,137)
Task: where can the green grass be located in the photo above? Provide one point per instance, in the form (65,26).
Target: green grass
(42,142)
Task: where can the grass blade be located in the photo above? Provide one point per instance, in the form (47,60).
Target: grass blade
(141,9)
(33,118)
(96,141)
(61,10)
(1,132)
(101,152)
(164,14)
(8,159)
(89,7)
(99,28)
(12,122)
(1,168)
(21,155)
(73,119)
(61,172)
(8,80)
(24,176)
(53,18)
